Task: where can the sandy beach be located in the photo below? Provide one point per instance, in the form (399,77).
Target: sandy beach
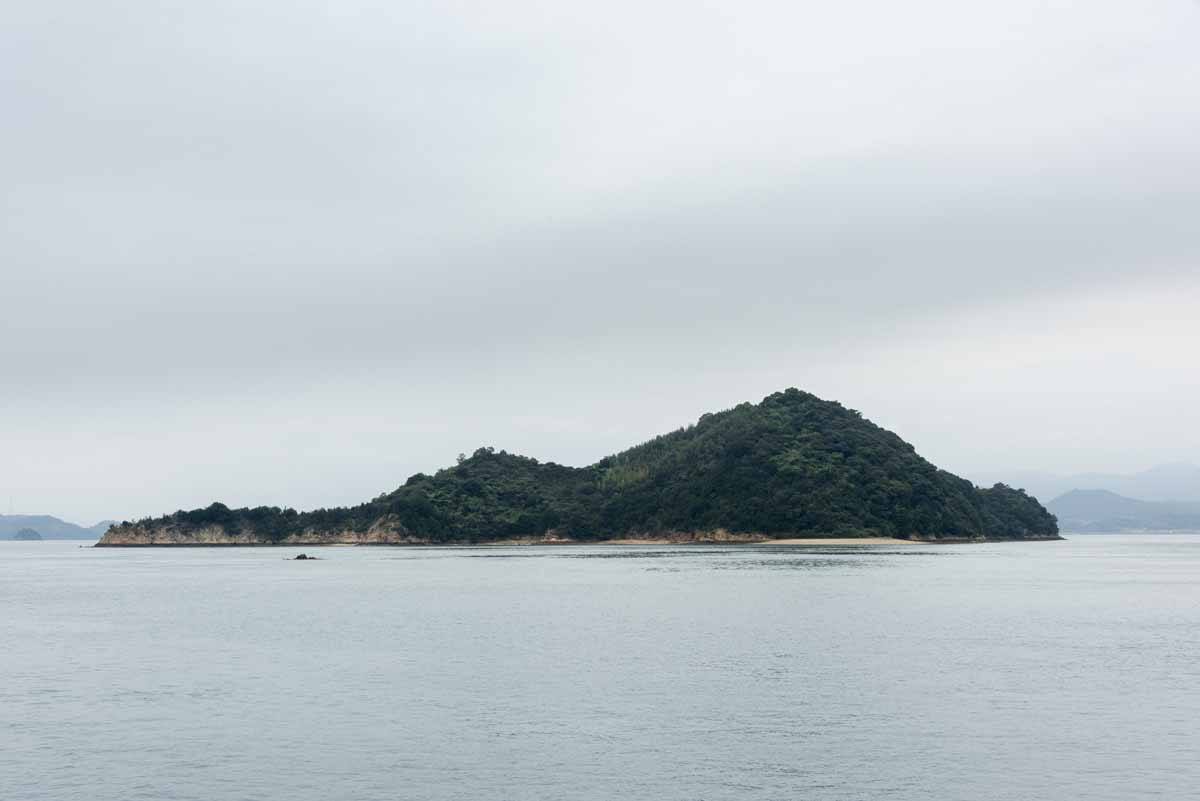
(666,541)
(843,541)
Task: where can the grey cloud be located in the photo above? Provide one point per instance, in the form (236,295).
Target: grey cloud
(415,209)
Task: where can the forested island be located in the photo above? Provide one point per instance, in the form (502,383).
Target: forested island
(793,465)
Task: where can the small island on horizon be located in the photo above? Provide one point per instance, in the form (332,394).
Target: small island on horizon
(791,466)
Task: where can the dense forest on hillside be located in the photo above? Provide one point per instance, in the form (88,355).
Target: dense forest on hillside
(791,465)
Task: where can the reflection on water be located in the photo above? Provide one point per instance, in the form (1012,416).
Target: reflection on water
(1000,671)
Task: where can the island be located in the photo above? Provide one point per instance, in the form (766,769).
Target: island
(791,466)
(27,535)
(49,528)
(1103,512)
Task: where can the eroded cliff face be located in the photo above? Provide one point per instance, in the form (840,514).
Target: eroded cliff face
(385,531)
(389,531)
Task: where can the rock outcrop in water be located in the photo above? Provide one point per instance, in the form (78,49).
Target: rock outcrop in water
(792,465)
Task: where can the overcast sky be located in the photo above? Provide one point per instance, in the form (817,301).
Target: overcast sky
(290,253)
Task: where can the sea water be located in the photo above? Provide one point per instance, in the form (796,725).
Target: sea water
(1050,670)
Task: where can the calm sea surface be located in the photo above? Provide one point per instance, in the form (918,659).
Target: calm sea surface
(1066,670)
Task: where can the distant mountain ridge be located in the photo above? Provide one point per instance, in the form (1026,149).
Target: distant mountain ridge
(1175,482)
(1104,511)
(792,465)
(51,528)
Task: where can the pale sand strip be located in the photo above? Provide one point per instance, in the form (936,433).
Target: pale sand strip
(648,541)
(843,541)
(788,541)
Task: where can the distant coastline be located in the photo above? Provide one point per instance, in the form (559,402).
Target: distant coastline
(1101,511)
(50,528)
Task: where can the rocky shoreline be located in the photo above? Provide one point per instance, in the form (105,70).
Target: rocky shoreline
(138,536)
